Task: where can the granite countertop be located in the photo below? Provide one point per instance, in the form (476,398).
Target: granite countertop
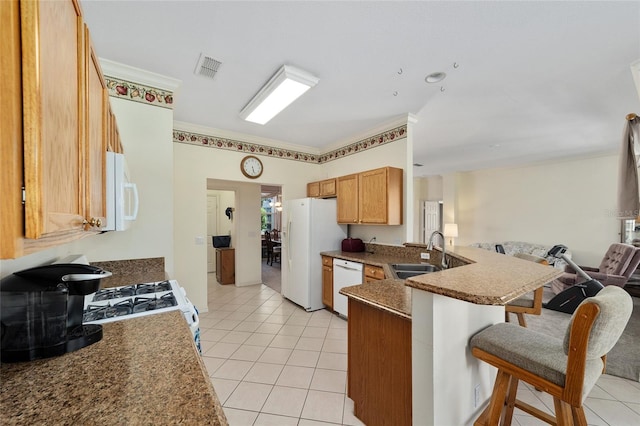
(145,370)
(384,260)
(489,278)
(480,277)
(390,295)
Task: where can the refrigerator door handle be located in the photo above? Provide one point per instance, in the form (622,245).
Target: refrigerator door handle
(289,242)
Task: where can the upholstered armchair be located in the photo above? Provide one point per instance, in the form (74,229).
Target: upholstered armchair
(620,261)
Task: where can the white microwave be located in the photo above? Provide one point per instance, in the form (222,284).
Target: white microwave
(122,195)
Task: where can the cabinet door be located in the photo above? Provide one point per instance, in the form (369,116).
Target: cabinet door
(327,281)
(52,61)
(381,196)
(328,188)
(373,196)
(313,189)
(97,115)
(11,219)
(347,190)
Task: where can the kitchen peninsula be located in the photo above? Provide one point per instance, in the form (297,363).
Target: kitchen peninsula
(427,321)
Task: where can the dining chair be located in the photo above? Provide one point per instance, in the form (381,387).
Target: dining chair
(273,251)
(565,369)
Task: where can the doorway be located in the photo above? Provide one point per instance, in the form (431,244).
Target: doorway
(218,223)
(432,218)
(271,219)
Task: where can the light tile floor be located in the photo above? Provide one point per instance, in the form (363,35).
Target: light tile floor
(272,363)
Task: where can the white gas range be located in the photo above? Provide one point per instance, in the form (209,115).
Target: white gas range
(136,300)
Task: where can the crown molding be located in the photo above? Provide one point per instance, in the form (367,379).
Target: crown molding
(140,76)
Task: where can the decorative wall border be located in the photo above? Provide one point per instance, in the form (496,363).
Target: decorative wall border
(364,144)
(190,138)
(119,88)
(393,135)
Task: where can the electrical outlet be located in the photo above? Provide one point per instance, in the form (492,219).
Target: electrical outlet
(425,256)
(476,396)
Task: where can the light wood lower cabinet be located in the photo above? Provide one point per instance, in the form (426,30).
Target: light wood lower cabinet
(373,273)
(226,265)
(379,365)
(327,281)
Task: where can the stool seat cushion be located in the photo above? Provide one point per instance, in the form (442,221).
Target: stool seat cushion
(538,353)
(526,301)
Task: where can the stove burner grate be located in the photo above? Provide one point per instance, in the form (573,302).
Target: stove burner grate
(114,293)
(142,304)
(98,312)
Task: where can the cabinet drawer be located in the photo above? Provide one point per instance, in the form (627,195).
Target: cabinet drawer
(375,272)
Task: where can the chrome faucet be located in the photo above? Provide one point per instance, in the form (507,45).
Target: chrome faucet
(444,251)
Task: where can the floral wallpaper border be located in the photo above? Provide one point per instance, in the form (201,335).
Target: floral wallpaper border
(136,92)
(180,136)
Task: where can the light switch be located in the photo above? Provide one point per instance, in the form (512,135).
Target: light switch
(199,241)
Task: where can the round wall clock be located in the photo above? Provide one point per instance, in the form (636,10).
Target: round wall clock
(251,167)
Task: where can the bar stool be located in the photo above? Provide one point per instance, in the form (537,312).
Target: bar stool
(530,303)
(567,370)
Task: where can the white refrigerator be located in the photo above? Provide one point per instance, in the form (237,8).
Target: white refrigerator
(310,228)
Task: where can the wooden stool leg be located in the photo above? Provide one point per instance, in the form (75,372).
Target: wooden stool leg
(563,412)
(579,418)
(511,402)
(491,414)
(521,320)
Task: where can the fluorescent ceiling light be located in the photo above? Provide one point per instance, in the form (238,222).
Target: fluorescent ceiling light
(287,85)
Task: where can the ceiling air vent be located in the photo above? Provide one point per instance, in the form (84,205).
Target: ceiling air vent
(207,66)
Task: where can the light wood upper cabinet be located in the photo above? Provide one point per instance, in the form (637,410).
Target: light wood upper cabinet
(96,126)
(322,189)
(313,189)
(12,216)
(347,189)
(55,118)
(371,197)
(328,188)
(52,68)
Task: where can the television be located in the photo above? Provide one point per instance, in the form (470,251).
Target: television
(221,241)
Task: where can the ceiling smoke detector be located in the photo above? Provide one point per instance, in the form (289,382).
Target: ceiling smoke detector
(207,66)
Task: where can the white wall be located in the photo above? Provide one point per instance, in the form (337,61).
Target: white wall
(566,202)
(146,133)
(197,169)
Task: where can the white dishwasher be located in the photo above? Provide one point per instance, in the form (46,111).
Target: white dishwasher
(345,273)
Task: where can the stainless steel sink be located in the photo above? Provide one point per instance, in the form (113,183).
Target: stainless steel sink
(407,274)
(406,270)
(422,267)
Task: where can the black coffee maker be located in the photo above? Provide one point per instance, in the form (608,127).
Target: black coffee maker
(41,311)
